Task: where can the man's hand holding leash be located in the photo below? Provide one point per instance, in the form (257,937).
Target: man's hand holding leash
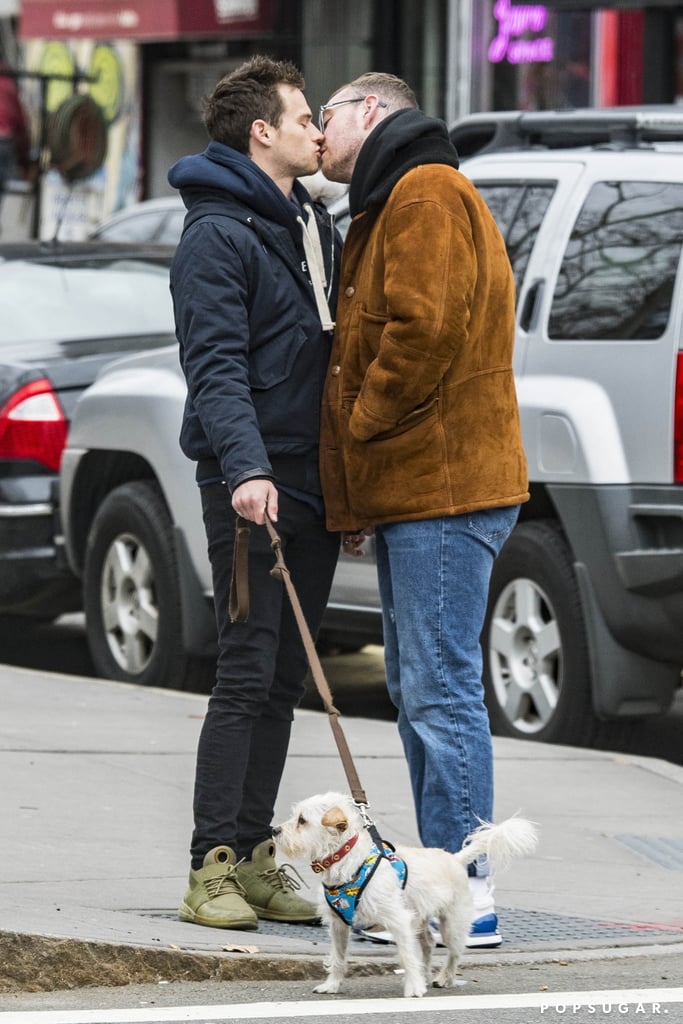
(254,498)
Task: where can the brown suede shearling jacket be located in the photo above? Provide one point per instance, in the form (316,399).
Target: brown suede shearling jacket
(420,417)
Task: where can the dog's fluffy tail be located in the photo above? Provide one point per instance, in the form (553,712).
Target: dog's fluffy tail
(499,843)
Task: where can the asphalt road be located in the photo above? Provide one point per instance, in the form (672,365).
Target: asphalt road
(356,680)
(592,987)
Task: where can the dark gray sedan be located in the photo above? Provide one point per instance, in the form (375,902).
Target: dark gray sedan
(66,310)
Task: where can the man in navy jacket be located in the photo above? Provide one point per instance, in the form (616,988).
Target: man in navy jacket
(253,284)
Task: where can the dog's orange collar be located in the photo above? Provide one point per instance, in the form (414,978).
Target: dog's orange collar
(322,865)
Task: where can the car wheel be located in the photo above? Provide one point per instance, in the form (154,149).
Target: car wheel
(132,596)
(329,646)
(536,666)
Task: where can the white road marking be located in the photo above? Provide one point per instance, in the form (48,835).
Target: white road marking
(640,1002)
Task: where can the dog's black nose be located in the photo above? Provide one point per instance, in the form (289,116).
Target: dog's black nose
(275,831)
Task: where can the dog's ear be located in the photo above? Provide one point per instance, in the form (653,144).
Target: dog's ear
(335,818)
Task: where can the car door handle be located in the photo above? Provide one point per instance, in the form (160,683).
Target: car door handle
(532,305)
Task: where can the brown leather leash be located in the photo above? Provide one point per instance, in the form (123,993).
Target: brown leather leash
(239,612)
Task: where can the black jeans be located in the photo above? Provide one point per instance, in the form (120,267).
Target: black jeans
(261,671)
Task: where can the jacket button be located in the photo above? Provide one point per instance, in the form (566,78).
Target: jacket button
(335,370)
(350,291)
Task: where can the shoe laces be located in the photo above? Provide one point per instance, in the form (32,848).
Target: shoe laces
(278,878)
(225,883)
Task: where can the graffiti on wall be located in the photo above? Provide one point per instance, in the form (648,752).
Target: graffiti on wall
(110,74)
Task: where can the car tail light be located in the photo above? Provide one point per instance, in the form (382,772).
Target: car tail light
(33,425)
(678,422)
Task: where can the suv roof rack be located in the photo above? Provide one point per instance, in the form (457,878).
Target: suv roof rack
(625,127)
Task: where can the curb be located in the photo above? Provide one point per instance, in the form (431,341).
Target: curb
(38,963)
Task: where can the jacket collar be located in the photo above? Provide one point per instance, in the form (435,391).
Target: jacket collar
(403,140)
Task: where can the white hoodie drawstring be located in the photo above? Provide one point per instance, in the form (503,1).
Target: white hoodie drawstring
(316,266)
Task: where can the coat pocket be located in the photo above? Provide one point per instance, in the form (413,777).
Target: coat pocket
(272,361)
(400,474)
(370,328)
(414,418)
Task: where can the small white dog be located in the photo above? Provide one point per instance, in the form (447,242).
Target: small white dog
(400,890)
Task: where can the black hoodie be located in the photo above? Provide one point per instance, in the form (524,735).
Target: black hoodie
(252,348)
(404,139)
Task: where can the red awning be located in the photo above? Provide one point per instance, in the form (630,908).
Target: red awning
(143,19)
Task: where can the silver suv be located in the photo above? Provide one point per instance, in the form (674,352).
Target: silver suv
(584,632)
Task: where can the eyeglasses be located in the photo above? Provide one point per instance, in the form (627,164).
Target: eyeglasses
(339,103)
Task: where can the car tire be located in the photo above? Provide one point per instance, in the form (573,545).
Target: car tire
(537,674)
(131,594)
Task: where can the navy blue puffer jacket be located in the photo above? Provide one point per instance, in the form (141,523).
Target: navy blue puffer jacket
(252,347)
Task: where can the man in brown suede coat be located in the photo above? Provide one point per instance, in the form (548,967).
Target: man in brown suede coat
(421,438)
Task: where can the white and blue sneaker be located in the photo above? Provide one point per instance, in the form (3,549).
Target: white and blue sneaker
(484,932)
(374,934)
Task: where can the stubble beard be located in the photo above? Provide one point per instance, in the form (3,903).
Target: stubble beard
(338,171)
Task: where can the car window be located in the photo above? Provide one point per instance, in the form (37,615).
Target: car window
(519,209)
(618,272)
(172,228)
(342,223)
(79,301)
(142,227)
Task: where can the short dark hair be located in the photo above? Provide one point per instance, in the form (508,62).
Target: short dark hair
(246,94)
(396,93)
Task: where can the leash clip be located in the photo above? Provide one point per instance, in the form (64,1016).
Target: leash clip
(363,811)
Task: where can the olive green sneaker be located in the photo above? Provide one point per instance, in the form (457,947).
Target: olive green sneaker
(215,897)
(271,891)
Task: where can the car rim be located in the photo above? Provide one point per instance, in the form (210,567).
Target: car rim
(525,656)
(130,613)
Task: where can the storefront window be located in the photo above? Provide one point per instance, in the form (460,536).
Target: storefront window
(530,57)
(564,81)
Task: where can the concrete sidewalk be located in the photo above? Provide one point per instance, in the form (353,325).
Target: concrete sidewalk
(96,814)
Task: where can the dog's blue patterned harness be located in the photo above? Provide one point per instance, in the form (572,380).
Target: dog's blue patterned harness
(344,899)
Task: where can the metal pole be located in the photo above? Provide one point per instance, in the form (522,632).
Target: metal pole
(459,59)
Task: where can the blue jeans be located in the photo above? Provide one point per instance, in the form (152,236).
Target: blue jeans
(434,579)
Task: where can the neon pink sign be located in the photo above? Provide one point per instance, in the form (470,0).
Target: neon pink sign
(515,21)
